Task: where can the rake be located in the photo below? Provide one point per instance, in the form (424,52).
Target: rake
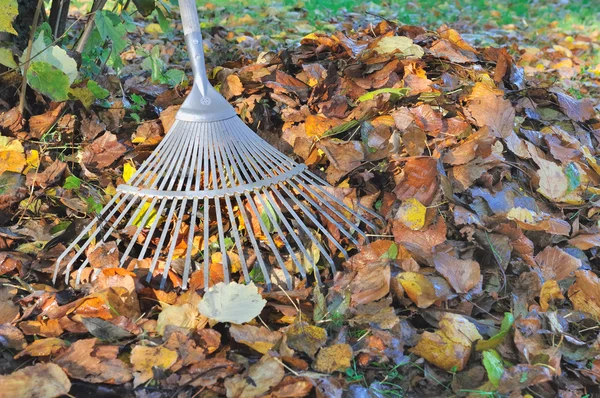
(211,175)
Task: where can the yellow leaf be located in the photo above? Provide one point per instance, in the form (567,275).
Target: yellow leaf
(521,214)
(550,291)
(418,288)
(334,358)
(412,214)
(128,171)
(144,359)
(33,160)
(12,156)
(183,316)
(153,29)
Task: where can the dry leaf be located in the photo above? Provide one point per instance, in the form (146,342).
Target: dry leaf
(463,275)
(260,339)
(412,214)
(556,264)
(335,358)
(144,359)
(306,338)
(585,293)
(488,107)
(418,288)
(43,380)
(261,376)
(550,291)
(232,303)
(184,316)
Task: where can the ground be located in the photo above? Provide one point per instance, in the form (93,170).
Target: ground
(470,128)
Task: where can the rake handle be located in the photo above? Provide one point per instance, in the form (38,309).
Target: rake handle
(193,39)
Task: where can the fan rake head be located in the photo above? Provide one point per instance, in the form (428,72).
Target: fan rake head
(213,186)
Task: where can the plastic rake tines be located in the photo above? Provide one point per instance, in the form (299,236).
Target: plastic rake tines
(215,177)
(212,175)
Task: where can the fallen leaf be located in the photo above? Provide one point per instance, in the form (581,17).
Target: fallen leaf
(463,275)
(232,87)
(184,316)
(12,155)
(488,107)
(421,242)
(11,337)
(80,362)
(232,303)
(335,358)
(412,214)
(103,152)
(44,347)
(556,264)
(43,380)
(522,376)
(418,288)
(260,339)
(306,338)
(585,241)
(292,386)
(260,377)
(371,268)
(550,291)
(144,359)
(450,347)
(585,293)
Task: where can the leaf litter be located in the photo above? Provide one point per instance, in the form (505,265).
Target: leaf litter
(484,280)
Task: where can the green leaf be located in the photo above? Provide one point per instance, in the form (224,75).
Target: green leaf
(163,21)
(573,177)
(54,55)
(341,128)
(391,253)
(493,365)
(112,28)
(144,7)
(174,77)
(493,342)
(48,80)
(72,182)
(10,9)
(6,58)
(401,92)
(98,91)
(84,95)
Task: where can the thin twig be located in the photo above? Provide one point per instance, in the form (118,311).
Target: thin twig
(89,25)
(36,17)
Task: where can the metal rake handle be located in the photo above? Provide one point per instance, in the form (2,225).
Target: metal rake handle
(204,103)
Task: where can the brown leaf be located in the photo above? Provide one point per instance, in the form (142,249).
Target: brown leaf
(208,372)
(103,152)
(49,176)
(556,264)
(9,312)
(463,275)
(585,293)
(335,358)
(379,313)
(12,121)
(11,337)
(91,127)
(371,268)
(292,387)
(104,255)
(81,361)
(149,133)
(260,377)
(522,376)
(40,124)
(260,339)
(418,180)
(585,241)
(421,242)
(578,110)
(43,380)
(446,49)
(488,107)
(167,117)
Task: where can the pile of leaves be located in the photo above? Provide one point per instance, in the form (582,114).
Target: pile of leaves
(484,282)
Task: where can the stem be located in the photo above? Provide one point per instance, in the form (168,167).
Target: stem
(89,25)
(36,17)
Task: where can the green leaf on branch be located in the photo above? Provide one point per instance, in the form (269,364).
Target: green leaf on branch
(49,80)
(111,27)
(53,55)
(144,7)
(98,91)
(10,9)
(6,58)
